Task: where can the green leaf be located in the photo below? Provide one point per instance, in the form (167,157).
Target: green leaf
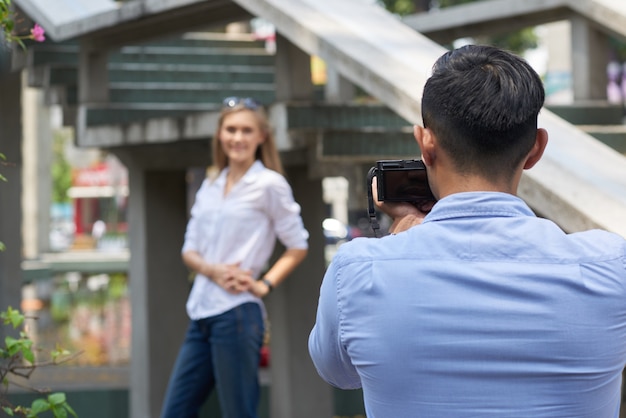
(70,410)
(59,411)
(59,352)
(7,411)
(10,342)
(28,355)
(12,316)
(57,398)
(39,406)
(2,247)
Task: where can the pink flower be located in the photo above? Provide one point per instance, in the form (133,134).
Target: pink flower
(37,33)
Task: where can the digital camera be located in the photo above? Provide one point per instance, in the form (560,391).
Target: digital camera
(402,181)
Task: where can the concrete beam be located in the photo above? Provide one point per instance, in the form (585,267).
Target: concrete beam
(487,17)
(498,16)
(167,156)
(608,16)
(113,24)
(150,131)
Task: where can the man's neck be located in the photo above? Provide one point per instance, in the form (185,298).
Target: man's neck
(453,183)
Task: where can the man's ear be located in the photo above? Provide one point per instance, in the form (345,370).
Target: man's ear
(541,140)
(426,141)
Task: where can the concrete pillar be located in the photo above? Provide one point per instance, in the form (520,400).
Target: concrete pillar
(158,282)
(93,74)
(37,195)
(296,389)
(590,55)
(10,191)
(338,89)
(293,72)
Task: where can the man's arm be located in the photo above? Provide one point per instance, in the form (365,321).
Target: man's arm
(326,348)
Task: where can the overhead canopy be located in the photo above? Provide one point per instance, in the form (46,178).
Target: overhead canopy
(62,12)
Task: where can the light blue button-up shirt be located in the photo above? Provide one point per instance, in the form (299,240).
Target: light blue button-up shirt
(483,310)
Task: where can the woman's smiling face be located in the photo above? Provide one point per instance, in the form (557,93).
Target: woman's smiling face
(240,136)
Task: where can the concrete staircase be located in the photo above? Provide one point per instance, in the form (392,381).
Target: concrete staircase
(602,120)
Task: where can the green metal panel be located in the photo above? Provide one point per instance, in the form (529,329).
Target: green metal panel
(182,73)
(369,145)
(114,403)
(105,403)
(63,76)
(66,75)
(67,52)
(207,41)
(71,95)
(167,56)
(344,117)
(51,53)
(109,403)
(615,140)
(191,93)
(594,113)
(126,115)
(348,403)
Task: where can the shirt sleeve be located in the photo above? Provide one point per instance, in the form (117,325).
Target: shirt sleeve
(326,348)
(286,215)
(192,232)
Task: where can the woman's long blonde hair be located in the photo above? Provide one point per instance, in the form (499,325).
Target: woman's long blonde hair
(266,152)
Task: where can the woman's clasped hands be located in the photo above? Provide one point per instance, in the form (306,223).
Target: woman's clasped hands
(235,280)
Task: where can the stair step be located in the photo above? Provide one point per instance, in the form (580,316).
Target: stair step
(612,135)
(590,113)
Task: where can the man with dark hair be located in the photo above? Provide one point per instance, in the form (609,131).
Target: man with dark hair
(478,308)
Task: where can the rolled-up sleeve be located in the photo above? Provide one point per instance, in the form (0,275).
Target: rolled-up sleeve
(326,348)
(286,215)
(192,232)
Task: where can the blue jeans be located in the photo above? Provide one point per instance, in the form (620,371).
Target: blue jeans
(221,352)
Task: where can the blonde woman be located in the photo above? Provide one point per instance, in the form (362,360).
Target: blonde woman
(238,214)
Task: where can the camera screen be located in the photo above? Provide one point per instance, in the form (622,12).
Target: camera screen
(406,185)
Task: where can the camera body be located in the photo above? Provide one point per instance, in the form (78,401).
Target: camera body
(402,181)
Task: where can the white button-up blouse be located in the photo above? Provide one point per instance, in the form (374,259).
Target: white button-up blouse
(240,227)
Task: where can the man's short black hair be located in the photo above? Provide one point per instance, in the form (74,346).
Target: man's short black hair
(482,104)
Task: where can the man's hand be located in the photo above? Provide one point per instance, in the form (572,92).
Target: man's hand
(404,214)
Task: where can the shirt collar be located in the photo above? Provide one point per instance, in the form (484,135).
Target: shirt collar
(478,204)
(249,177)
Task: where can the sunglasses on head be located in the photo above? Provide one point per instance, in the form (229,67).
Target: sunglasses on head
(247,102)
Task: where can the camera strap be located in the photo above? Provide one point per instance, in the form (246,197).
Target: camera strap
(371,211)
